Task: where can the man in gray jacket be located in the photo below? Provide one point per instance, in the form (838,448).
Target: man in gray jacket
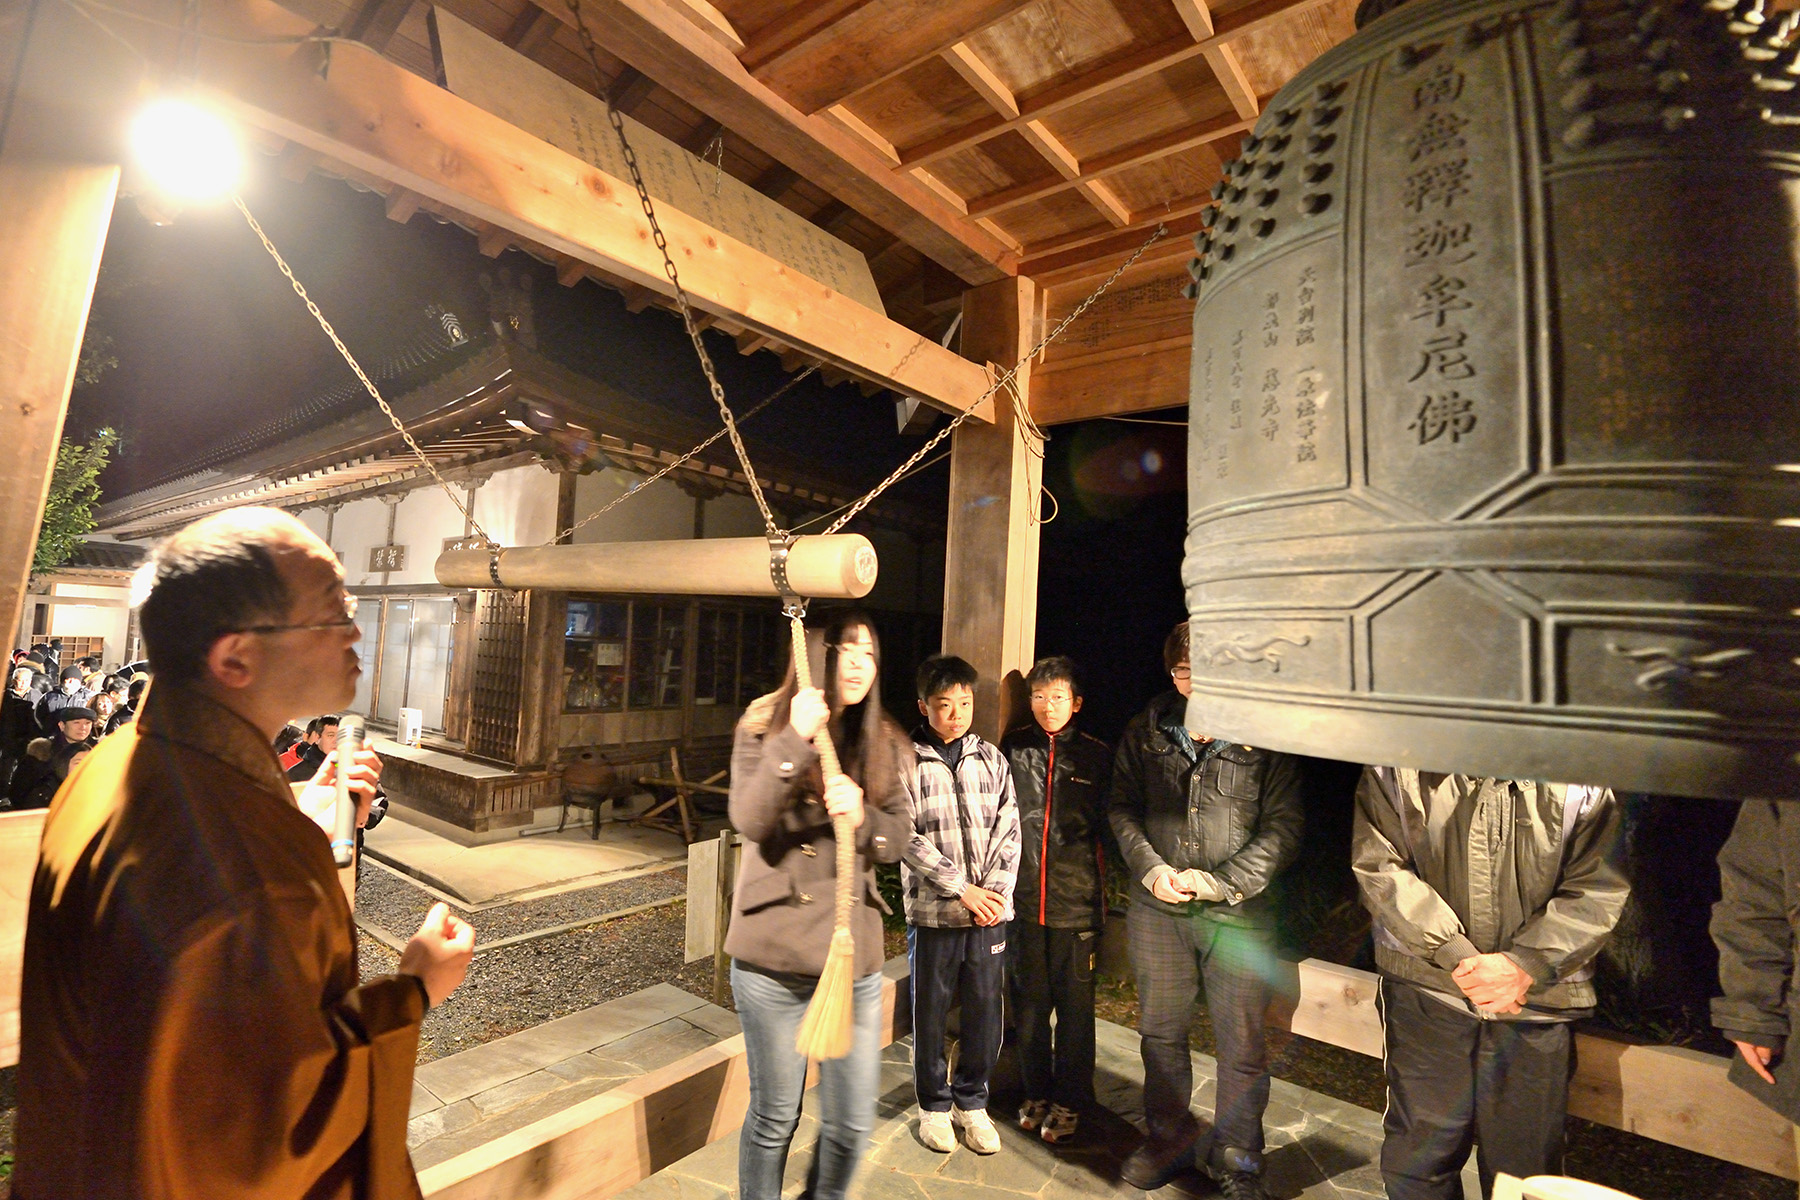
(1490,899)
(1205,826)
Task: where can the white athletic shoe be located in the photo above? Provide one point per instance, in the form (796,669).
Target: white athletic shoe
(978,1130)
(936,1133)
(1032,1114)
(1059,1125)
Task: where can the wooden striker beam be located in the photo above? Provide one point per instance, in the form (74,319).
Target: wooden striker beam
(991,556)
(839,567)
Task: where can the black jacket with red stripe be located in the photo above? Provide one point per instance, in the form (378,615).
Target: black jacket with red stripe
(1062,868)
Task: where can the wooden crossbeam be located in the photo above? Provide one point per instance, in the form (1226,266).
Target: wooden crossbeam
(375,22)
(1251,17)
(981,77)
(401,205)
(700,138)
(775,181)
(1213,129)
(1089,245)
(1090,240)
(1107,201)
(630,88)
(828,52)
(1197,16)
(865,133)
(378,118)
(658,40)
(1224,63)
(530,30)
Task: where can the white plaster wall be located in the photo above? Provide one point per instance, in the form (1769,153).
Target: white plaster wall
(517,507)
(360,525)
(661,512)
(732,515)
(424,519)
(79,620)
(315,520)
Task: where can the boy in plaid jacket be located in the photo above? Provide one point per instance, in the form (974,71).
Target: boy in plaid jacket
(959,870)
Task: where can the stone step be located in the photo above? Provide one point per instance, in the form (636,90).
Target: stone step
(469,1099)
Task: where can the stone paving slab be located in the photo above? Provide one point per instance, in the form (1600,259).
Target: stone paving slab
(471,1098)
(481,1068)
(1319,1148)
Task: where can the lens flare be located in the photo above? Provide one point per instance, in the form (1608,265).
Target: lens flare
(186,150)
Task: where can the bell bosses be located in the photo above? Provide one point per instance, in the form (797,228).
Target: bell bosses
(191,1021)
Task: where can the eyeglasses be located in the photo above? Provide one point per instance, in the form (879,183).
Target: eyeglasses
(343,626)
(1182,673)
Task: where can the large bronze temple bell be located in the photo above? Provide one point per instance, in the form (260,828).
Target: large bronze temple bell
(1494,421)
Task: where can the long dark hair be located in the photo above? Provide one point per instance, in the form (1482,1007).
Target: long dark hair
(860,731)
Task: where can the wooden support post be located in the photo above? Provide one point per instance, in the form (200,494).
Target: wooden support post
(57,193)
(991,560)
(722,918)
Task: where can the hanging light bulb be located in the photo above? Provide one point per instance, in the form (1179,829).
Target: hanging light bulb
(187,151)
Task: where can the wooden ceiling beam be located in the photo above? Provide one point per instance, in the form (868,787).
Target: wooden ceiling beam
(1101,243)
(374,22)
(828,52)
(401,205)
(657,40)
(981,77)
(865,133)
(1224,63)
(775,181)
(1253,16)
(630,88)
(1197,16)
(1213,129)
(701,136)
(1107,201)
(377,117)
(1068,166)
(530,31)
(710,21)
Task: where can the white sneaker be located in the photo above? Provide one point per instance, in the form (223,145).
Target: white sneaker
(978,1130)
(1032,1114)
(935,1132)
(1059,1125)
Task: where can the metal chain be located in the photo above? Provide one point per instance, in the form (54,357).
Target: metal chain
(635,488)
(300,291)
(617,120)
(1004,380)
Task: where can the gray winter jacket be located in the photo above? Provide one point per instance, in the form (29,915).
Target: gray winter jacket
(1754,925)
(1451,866)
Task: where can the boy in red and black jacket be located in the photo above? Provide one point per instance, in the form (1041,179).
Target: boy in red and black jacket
(1060,777)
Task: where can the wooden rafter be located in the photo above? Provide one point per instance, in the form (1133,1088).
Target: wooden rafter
(775,181)
(1153,59)
(530,31)
(978,75)
(1106,200)
(374,22)
(1082,248)
(700,137)
(631,88)
(826,52)
(1212,129)
(656,39)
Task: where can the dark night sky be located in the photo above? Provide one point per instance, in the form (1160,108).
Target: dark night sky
(211,342)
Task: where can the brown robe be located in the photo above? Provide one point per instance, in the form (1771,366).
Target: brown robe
(191,1023)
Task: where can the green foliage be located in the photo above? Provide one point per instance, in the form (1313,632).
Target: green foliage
(887,882)
(74,490)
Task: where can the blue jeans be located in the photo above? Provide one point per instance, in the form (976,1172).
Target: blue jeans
(770,1006)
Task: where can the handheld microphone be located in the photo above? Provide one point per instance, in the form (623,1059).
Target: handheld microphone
(343,828)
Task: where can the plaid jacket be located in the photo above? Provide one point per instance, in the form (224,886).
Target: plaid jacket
(965,830)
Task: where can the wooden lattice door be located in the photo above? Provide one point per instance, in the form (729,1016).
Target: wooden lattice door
(499,661)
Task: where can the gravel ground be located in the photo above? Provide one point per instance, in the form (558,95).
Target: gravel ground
(1647,1169)
(397,905)
(516,987)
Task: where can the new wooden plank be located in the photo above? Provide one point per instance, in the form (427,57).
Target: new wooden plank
(1201,133)
(1197,16)
(376,117)
(1670,1094)
(978,75)
(991,544)
(653,38)
(375,22)
(872,42)
(20,834)
(1239,22)
(605,1144)
(57,191)
(1224,62)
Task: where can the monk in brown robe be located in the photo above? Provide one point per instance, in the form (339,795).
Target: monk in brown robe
(192,1023)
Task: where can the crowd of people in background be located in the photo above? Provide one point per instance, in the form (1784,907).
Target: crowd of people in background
(54,714)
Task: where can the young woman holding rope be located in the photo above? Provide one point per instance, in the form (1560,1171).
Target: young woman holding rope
(782,919)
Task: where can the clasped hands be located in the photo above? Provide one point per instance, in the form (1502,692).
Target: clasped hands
(988,908)
(1493,983)
(1178,887)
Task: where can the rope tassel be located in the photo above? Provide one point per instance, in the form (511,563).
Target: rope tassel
(829,1026)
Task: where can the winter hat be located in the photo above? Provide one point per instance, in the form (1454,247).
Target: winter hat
(71,672)
(74,712)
